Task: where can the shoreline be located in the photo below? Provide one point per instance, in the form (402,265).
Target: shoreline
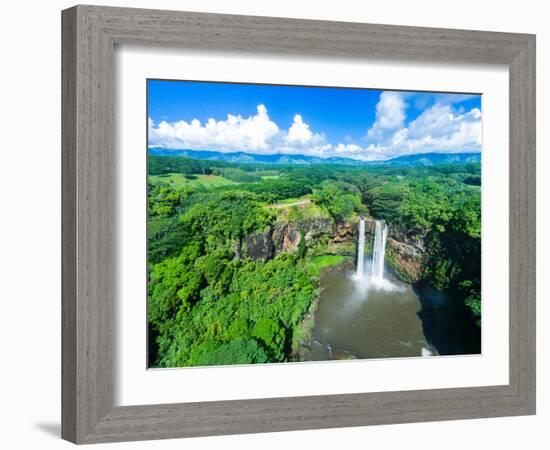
(303,335)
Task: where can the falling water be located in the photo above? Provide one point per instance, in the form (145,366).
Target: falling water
(373,277)
(360,270)
(378,251)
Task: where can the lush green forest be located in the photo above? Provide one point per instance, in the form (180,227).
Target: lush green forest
(214,298)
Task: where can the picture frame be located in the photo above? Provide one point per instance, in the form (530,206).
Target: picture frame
(90,34)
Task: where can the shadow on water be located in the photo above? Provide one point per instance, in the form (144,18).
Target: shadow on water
(446,323)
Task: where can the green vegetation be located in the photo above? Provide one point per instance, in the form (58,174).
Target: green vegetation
(316,264)
(200,308)
(297,210)
(211,301)
(340,200)
(178,179)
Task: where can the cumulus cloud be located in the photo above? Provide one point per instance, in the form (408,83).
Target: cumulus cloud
(256,134)
(390,115)
(441,120)
(347,150)
(439,128)
(244,133)
(299,131)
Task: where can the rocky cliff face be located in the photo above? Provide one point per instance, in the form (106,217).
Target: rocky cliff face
(286,236)
(260,246)
(403,253)
(404,259)
(344,233)
(414,238)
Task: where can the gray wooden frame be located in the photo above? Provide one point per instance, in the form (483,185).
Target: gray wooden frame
(89,36)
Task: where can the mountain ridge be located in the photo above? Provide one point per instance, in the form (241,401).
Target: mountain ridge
(416,159)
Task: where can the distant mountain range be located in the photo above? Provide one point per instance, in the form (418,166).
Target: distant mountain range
(430,159)
(420,159)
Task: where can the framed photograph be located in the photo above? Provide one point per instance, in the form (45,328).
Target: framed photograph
(277,224)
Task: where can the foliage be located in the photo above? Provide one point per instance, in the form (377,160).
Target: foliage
(474,180)
(302,247)
(247,300)
(338,203)
(191,180)
(317,264)
(209,304)
(157,165)
(238,351)
(164,199)
(237,175)
(453,259)
(272,190)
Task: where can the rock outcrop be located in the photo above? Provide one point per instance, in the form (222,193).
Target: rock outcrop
(344,232)
(286,237)
(414,238)
(260,246)
(404,259)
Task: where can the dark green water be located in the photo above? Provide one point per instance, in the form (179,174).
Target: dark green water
(353,321)
(357,321)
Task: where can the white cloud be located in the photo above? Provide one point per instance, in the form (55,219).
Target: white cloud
(299,131)
(244,133)
(439,128)
(256,134)
(440,120)
(349,150)
(390,115)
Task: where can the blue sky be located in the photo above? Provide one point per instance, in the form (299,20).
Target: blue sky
(355,123)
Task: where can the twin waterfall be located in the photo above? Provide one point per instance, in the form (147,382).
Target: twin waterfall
(378,252)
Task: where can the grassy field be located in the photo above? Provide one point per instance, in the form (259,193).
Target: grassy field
(317,263)
(295,209)
(177,179)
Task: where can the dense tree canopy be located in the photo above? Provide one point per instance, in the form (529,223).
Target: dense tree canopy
(209,303)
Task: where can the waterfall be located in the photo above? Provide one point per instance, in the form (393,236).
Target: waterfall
(378,251)
(373,277)
(360,270)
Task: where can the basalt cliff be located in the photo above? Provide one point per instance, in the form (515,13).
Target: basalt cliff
(404,253)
